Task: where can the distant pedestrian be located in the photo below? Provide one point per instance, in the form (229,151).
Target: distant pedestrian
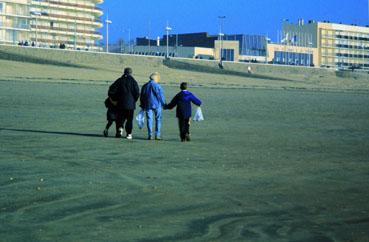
(249,70)
(183,102)
(152,102)
(125,92)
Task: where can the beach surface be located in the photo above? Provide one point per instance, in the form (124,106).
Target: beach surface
(265,165)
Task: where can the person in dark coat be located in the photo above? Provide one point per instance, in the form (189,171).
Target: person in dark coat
(111,115)
(125,92)
(183,102)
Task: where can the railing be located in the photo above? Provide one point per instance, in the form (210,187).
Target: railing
(60,16)
(71,5)
(66,29)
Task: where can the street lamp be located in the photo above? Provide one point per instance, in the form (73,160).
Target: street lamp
(107,22)
(36,14)
(221,35)
(267,41)
(129,41)
(75,29)
(168,29)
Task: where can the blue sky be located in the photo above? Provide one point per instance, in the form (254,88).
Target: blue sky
(243,16)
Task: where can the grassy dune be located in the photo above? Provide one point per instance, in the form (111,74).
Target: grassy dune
(80,67)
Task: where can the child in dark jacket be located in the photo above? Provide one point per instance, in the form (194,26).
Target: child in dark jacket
(111,115)
(183,102)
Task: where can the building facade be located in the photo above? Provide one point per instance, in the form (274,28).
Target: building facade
(283,54)
(51,23)
(238,47)
(339,46)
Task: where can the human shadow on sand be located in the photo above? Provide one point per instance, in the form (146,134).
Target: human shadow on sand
(52,132)
(62,133)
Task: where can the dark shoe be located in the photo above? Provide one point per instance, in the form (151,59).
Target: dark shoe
(188,138)
(106,133)
(158,138)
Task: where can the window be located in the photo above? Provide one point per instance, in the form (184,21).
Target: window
(1,7)
(228,54)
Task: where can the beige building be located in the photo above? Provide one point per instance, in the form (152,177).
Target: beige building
(230,50)
(49,23)
(338,45)
(292,55)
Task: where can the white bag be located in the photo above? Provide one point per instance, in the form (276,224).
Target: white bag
(140,118)
(198,115)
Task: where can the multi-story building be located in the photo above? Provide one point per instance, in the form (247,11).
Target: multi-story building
(338,45)
(239,47)
(51,23)
(14,21)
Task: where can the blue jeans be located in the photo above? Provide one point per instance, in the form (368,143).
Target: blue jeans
(150,121)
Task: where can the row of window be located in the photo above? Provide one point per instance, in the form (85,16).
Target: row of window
(352,56)
(292,58)
(64,25)
(365,47)
(254,45)
(228,54)
(345,64)
(151,53)
(15,36)
(15,9)
(55,10)
(89,3)
(352,37)
(19,23)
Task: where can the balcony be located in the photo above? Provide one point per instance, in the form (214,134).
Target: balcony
(81,7)
(72,19)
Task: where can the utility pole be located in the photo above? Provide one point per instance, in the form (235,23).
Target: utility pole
(107,22)
(168,29)
(75,29)
(149,36)
(37,14)
(221,35)
(129,40)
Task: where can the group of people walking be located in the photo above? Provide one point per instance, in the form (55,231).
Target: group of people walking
(123,95)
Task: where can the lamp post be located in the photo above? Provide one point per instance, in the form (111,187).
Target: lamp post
(75,34)
(311,53)
(168,29)
(221,35)
(129,40)
(37,14)
(149,35)
(107,22)
(267,40)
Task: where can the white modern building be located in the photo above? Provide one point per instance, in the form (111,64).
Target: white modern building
(51,23)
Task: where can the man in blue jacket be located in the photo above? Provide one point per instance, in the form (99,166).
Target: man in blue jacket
(152,102)
(183,102)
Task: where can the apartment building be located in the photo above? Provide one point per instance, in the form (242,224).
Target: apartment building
(50,23)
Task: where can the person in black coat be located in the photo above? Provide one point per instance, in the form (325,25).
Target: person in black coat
(125,92)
